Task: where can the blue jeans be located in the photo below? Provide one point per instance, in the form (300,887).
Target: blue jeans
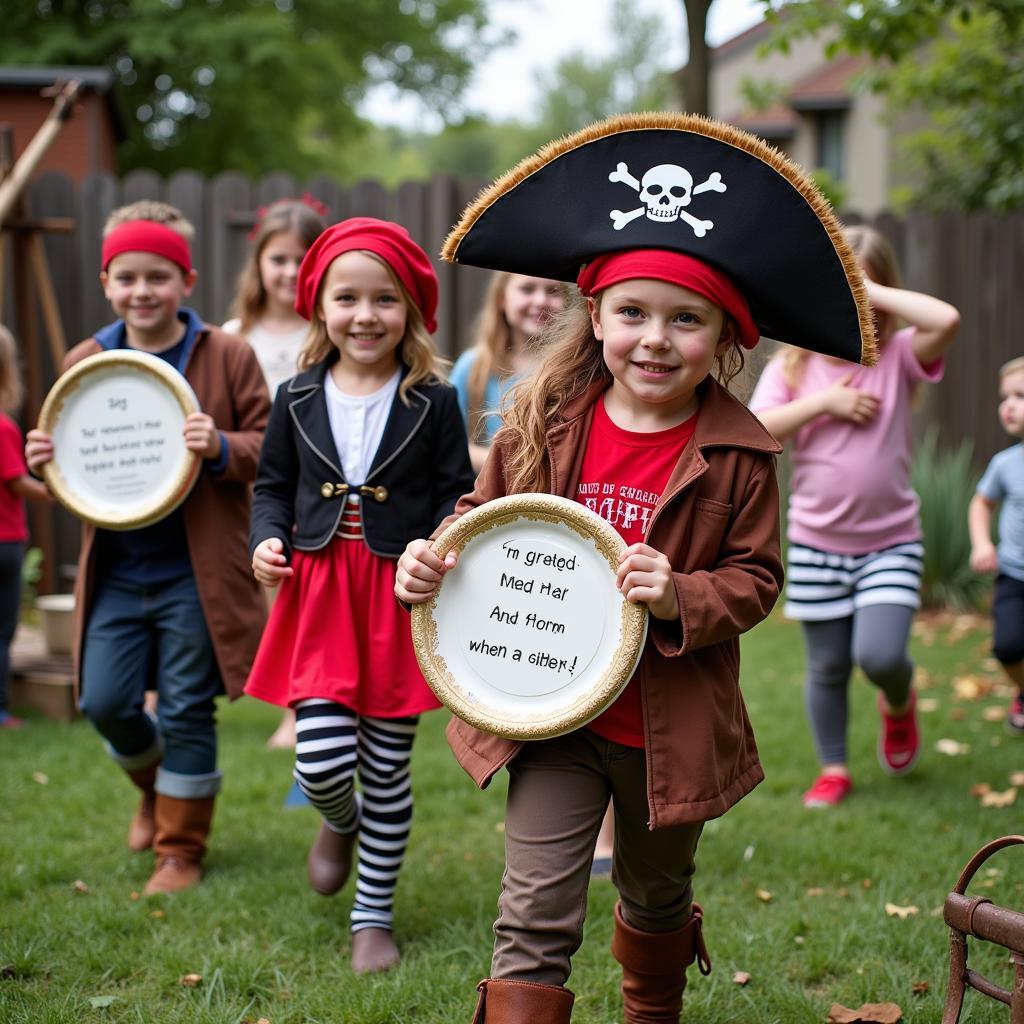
(11,554)
(154,637)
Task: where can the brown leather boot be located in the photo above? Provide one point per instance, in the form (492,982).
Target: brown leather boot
(181,830)
(654,968)
(330,860)
(143,826)
(522,1002)
(373,951)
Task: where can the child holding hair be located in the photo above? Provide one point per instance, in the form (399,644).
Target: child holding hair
(264,313)
(1003,482)
(624,403)
(170,607)
(515,310)
(18,487)
(855,549)
(365,449)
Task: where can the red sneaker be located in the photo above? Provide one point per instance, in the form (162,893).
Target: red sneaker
(899,743)
(1015,719)
(829,789)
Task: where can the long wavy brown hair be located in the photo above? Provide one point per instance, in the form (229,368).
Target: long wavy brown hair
(284,216)
(491,346)
(572,361)
(416,350)
(10,373)
(878,259)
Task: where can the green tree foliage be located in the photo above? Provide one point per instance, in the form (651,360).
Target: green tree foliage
(254,85)
(960,62)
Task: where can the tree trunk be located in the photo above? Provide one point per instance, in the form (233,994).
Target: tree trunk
(693,78)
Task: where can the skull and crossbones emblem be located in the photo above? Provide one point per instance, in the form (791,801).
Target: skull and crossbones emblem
(664,191)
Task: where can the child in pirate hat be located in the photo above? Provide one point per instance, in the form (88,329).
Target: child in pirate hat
(688,241)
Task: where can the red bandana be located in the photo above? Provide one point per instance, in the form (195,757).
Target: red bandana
(676,268)
(147,236)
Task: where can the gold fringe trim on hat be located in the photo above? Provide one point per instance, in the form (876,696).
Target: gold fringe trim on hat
(700,125)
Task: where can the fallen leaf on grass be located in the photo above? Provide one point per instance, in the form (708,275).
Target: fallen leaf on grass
(134,895)
(764,895)
(971,687)
(994,713)
(99,1002)
(816,891)
(79,886)
(952,748)
(979,789)
(927,705)
(957,715)
(894,910)
(919,988)
(7,972)
(748,854)
(157,914)
(190,980)
(41,777)
(866,883)
(740,978)
(1017,778)
(997,799)
(869,1013)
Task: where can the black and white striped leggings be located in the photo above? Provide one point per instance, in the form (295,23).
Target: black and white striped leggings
(332,745)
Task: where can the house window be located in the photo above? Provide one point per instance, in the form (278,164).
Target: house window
(831,155)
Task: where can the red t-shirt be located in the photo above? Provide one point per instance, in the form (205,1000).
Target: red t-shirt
(12,466)
(622,479)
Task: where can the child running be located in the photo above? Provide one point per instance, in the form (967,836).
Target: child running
(365,450)
(16,487)
(1003,483)
(625,403)
(170,607)
(264,308)
(855,548)
(515,310)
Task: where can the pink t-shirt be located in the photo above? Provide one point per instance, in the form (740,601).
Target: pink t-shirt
(850,490)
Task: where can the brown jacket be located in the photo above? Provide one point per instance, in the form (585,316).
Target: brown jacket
(226,377)
(718,523)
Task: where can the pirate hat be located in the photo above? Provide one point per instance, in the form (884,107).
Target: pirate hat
(686,184)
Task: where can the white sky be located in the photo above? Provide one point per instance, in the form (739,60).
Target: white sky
(548,29)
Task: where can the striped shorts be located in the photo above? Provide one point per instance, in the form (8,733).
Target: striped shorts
(823,585)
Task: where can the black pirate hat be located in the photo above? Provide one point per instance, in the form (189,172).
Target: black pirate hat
(686,184)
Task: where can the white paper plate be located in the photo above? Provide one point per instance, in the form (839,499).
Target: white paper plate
(528,636)
(116,420)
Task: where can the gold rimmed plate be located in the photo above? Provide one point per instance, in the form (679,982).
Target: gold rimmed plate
(528,636)
(117,421)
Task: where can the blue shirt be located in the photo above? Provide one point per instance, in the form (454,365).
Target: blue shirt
(494,393)
(1004,482)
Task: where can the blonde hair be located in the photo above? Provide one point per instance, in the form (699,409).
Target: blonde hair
(154,210)
(416,350)
(491,345)
(878,259)
(1013,366)
(10,373)
(283,217)
(572,361)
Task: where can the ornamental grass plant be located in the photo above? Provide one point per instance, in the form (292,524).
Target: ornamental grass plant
(794,898)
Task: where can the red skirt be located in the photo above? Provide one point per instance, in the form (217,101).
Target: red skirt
(337,631)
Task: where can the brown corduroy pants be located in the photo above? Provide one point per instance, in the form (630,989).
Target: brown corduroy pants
(558,792)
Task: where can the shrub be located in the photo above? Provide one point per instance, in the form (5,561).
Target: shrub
(945,482)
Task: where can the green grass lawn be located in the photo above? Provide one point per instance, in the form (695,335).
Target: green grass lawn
(795,898)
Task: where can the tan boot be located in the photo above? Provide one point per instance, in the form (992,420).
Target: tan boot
(143,826)
(522,1002)
(330,860)
(373,951)
(654,968)
(182,827)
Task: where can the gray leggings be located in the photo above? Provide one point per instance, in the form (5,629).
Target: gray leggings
(875,639)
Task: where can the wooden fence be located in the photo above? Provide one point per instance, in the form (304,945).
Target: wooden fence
(976,263)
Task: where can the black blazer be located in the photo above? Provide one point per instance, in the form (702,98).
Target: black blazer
(419,471)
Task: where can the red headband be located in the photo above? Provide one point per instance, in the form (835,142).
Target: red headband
(147,236)
(676,268)
(389,241)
